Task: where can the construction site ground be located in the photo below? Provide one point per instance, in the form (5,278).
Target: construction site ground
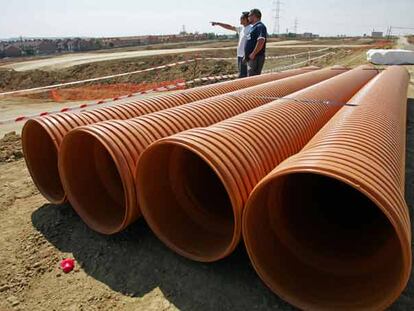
(72,59)
(132,270)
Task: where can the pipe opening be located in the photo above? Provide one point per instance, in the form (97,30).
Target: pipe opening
(41,155)
(92,182)
(319,242)
(185,202)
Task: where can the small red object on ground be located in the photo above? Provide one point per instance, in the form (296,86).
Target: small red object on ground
(67,264)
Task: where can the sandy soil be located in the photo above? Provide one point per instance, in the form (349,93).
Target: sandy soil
(357,46)
(128,271)
(10,148)
(404,44)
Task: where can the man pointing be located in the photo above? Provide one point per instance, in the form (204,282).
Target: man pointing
(242,32)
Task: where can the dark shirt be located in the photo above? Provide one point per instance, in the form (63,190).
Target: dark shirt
(257,31)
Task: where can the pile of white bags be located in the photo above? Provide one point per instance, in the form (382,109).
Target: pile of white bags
(390,57)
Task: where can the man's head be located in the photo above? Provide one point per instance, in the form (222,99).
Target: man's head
(244,19)
(254,16)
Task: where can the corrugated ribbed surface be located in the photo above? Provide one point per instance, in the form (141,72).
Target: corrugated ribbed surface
(100,180)
(193,185)
(41,137)
(329,229)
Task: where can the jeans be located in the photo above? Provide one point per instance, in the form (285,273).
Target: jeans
(242,67)
(255,66)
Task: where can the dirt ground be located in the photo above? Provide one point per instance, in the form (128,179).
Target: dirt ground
(129,271)
(10,148)
(132,270)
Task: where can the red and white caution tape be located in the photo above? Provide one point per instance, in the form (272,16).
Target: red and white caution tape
(88,105)
(59,85)
(170,87)
(159,89)
(273,57)
(54,86)
(213,78)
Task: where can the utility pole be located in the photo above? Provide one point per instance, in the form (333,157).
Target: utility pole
(183,30)
(389,31)
(295,27)
(276,16)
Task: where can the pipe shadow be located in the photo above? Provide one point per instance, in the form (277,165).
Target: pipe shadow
(135,262)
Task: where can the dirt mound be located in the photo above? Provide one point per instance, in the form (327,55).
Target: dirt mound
(10,148)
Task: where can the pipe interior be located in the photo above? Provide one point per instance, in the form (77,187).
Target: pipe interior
(41,157)
(319,242)
(93,183)
(186,203)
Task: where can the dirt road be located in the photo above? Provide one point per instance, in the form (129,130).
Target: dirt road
(69,60)
(404,44)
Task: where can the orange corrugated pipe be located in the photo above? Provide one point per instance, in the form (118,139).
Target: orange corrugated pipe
(193,185)
(328,229)
(100,180)
(41,137)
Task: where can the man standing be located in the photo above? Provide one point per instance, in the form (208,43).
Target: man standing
(256,44)
(242,32)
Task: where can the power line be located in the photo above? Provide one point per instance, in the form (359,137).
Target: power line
(183,30)
(276,17)
(295,27)
(391,28)
(389,31)
(412,28)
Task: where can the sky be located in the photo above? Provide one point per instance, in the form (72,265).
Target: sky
(106,18)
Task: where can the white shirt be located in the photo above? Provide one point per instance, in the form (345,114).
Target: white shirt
(243,32)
